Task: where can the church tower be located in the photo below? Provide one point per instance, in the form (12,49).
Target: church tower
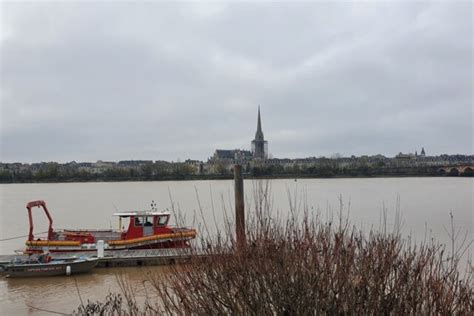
(259,144)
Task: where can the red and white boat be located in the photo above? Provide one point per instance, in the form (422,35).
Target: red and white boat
(146,230)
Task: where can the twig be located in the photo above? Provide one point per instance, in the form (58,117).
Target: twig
(46,310)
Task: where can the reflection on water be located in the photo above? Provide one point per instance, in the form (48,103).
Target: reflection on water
(64,294)
(425,205)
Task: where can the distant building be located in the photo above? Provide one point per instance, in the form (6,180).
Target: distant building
(233,154)
(259,144)
(403,156)
(134,163)
(221,154)
(259,149)
(422,154)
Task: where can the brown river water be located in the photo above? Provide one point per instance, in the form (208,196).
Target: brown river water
(424,203)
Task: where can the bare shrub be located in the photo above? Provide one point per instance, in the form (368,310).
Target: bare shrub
(314,268)
(308,266)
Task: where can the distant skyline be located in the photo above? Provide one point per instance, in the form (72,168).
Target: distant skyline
(88,81)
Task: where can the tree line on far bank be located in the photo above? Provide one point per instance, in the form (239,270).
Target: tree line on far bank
(55,172)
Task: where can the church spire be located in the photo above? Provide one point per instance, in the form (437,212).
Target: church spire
(259,145)
(259,133)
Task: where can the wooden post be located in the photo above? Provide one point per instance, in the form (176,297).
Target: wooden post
(239,206)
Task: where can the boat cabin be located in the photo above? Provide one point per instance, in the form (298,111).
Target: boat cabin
(144,223)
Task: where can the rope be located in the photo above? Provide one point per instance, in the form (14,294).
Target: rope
(46,310)
(22,236)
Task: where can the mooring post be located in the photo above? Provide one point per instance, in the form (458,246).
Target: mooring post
(100,249)
(239,206)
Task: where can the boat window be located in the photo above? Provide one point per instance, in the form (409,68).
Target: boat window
(162,220)
(123,222)
(148,221)
(138,221)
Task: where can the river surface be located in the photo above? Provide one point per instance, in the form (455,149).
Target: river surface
(424,205)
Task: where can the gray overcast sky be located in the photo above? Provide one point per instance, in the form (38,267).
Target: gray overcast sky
(119,80)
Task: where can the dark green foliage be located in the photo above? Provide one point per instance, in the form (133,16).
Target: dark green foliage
(156,171)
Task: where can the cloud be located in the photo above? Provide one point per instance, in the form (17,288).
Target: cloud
(117,80)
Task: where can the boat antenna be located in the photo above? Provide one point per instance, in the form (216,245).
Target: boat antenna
(115,207)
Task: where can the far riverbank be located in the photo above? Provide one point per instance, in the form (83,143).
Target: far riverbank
(254,173)
(226,177)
